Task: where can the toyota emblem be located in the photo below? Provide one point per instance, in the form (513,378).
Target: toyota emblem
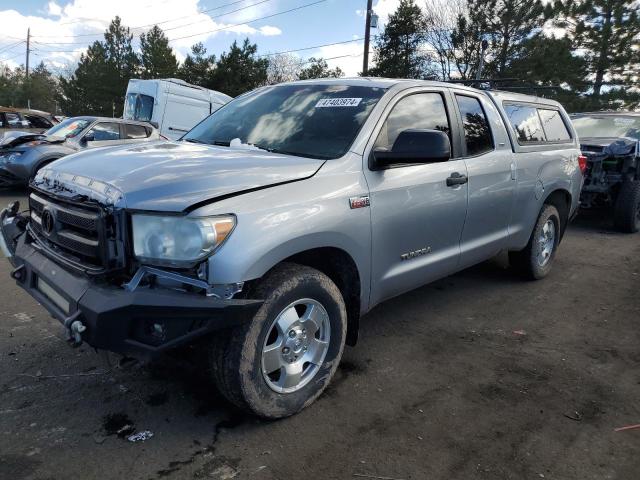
(47,222)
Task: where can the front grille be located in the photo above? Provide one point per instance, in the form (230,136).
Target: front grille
(74,230)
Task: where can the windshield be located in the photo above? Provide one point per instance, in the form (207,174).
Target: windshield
(68,128)
(138,107)
(607,126)
(316,121)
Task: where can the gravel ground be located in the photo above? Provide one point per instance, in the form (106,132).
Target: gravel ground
(480,375)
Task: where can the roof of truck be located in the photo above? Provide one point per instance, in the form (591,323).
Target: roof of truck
(499,95)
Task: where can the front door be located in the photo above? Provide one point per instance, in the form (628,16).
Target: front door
(417,218)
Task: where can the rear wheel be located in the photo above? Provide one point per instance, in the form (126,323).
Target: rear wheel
(282,360)
(536,259)
(626,216)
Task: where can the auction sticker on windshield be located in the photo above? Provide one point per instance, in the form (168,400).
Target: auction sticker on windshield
(338,102)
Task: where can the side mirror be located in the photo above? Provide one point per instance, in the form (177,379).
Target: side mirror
(89,137)
(414,146)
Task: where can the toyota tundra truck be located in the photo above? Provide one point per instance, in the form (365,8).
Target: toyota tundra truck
(267,232)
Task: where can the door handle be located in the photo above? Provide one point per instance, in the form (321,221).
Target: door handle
(456,179)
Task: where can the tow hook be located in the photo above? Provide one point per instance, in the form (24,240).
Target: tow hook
(75,333)
(74,328)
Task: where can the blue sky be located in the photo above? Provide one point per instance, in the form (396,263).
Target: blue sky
(62,28)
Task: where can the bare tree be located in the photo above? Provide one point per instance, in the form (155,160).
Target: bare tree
(283,67)
(440,21)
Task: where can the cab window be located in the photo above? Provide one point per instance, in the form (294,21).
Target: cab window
(418,111)
(38,122)
(526,123)
(105,132)
(13,120)
(133,132)
(477,133)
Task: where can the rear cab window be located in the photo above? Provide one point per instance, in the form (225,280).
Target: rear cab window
(134,132)
(477,132)
(537,125)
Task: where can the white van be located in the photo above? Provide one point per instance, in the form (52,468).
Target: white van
(171,105)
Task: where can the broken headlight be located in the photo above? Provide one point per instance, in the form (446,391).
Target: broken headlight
(176,240)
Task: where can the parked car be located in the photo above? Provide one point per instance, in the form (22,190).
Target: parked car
(22,155)
(173,106)
(265,234)
(611,143)
(12,119)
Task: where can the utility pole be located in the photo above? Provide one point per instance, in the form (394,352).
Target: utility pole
(367,38)
(483,46)
(28,51)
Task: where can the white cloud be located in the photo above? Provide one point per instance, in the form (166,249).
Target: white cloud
(269,31)
(66,29)
(54,9)
(350,57)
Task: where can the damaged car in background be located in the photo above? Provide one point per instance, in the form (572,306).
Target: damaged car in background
(610,142)
(22,154)
(263,235)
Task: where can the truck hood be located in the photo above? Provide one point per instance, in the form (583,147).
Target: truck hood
(171,176)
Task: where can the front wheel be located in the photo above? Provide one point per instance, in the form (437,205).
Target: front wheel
(534,262)
(282,360)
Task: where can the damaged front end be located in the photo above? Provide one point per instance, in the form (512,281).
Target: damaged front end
(610,163)
(73,253)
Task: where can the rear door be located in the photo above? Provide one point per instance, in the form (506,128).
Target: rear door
(492,181)
(416,218)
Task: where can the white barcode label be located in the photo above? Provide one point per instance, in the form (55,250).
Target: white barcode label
(338,102)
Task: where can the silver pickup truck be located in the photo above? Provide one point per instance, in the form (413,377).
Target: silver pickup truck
(265,233)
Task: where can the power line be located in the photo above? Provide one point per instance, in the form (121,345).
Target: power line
(11,47)
(165,21)
(312,48)
(250,21)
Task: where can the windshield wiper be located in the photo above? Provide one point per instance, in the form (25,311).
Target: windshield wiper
(295,154)
(195,140)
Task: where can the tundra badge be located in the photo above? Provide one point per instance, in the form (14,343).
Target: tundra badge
(359,202)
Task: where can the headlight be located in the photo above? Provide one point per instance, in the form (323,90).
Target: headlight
(10,157)
(178,241)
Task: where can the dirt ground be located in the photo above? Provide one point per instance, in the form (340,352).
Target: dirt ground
(480,375)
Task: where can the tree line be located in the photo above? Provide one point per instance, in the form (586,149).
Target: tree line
(584,53)
(99,82)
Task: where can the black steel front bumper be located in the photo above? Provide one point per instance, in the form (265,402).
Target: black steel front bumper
(142,323)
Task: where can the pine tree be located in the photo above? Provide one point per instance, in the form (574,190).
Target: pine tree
(239,70)
(87,92)
(319,68)
(197,67)
(156,56)
(397,53)
(100,81)
(552,63)
(607,31)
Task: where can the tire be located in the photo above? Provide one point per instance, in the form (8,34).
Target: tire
(536,260)
(236,359)
(626,216)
